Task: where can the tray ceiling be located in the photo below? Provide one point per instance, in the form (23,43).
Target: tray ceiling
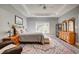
(39,10)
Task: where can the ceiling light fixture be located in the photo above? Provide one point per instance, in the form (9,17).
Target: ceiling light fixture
(43,6)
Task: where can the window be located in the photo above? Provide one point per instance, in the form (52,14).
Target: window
(42,27)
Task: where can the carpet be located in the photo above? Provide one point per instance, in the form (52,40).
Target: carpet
(54,47)
(44,49)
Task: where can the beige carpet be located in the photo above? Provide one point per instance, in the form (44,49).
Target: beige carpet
(55,47)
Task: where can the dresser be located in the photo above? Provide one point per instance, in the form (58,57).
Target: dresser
(68,37)
(68,31)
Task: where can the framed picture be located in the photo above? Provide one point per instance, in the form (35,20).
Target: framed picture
(18,20)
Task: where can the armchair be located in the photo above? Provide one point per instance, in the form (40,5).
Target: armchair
(13,50)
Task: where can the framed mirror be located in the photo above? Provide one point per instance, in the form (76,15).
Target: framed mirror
(64,26)
(18,20)
(71,25)
(58,29)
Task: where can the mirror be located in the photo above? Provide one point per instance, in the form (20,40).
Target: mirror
(18,20)
(64,26)
(71,25)
(58,29)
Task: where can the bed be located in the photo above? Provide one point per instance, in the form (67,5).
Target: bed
(32,37)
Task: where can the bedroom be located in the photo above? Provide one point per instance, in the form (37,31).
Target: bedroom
(37,23)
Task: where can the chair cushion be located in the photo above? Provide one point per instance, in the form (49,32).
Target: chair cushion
(7,47)
(5,43)
(14,50)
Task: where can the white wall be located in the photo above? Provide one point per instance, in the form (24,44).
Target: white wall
(7,14)
(5,17)
(31,23)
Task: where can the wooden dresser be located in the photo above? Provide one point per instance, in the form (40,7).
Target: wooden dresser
(69,37)
(67,33)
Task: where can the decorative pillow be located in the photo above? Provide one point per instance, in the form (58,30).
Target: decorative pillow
(7,47)
(21,30)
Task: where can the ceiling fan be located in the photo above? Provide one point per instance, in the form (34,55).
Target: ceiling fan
(43,6)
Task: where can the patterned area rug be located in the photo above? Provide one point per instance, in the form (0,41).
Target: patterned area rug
(44,49)
(54,47)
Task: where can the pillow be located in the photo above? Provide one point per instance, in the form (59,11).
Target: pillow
(21,30)
(7,47)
